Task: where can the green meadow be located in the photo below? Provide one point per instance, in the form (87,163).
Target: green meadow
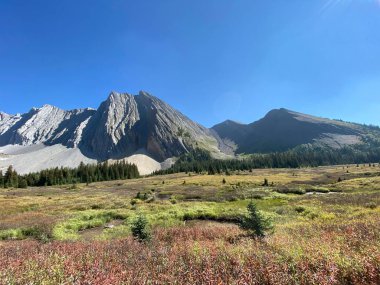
(328,215)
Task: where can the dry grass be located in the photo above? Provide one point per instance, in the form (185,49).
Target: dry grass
(204,254)
(327,237)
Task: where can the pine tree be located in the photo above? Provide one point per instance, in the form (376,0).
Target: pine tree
(1,179)
(22,183)
(11,177)
(139,228)
(211,170)
(255,223)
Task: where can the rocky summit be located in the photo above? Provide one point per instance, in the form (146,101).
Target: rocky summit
(145,130)
(124,125)
(283,129)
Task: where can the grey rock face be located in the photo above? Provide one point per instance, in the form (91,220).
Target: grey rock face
(69,132)
(108,132)
(125,124)
(6,122)
(142,124)
(49,125)
(3,116)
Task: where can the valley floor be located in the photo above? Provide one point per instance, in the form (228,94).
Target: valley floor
(325,231)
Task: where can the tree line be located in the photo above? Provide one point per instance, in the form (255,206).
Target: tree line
(84,173)
(200,161)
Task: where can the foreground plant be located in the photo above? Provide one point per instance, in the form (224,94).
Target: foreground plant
(204,254)
(255,223)
(139,228)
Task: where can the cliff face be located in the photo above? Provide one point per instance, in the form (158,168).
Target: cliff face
(48,125)
(123,125)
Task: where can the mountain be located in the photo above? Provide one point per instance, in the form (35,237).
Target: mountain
(125,124)
(141,128)
(282,129)
(49,125)
(144,130)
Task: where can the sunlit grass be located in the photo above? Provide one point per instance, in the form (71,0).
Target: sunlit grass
(323,229)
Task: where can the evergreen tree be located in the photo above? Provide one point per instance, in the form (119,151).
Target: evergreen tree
(23,183)
(1,179)
(139,228)
(11,177)
(255,223)
(211,170)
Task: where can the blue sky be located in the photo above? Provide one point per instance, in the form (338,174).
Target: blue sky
(211,59)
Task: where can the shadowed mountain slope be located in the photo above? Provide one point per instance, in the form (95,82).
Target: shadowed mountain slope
(125,124)
(282,129)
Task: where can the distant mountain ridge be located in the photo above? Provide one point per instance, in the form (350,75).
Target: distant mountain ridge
(149,132)
(282,129)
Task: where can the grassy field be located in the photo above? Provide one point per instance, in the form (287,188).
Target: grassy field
(326,229)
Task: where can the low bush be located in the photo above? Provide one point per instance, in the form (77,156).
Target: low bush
(318,189)
(371,205)
(68,230)
(287,190)
(300,209)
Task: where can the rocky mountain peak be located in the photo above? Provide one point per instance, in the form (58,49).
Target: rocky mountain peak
(117,97)
(146,94)
(48,107)
(125,124)
(278,113)
(47,124)
(231,122)
(283,129)
(3,116)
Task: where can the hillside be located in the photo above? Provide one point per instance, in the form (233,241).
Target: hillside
(150,133)
(282,130)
